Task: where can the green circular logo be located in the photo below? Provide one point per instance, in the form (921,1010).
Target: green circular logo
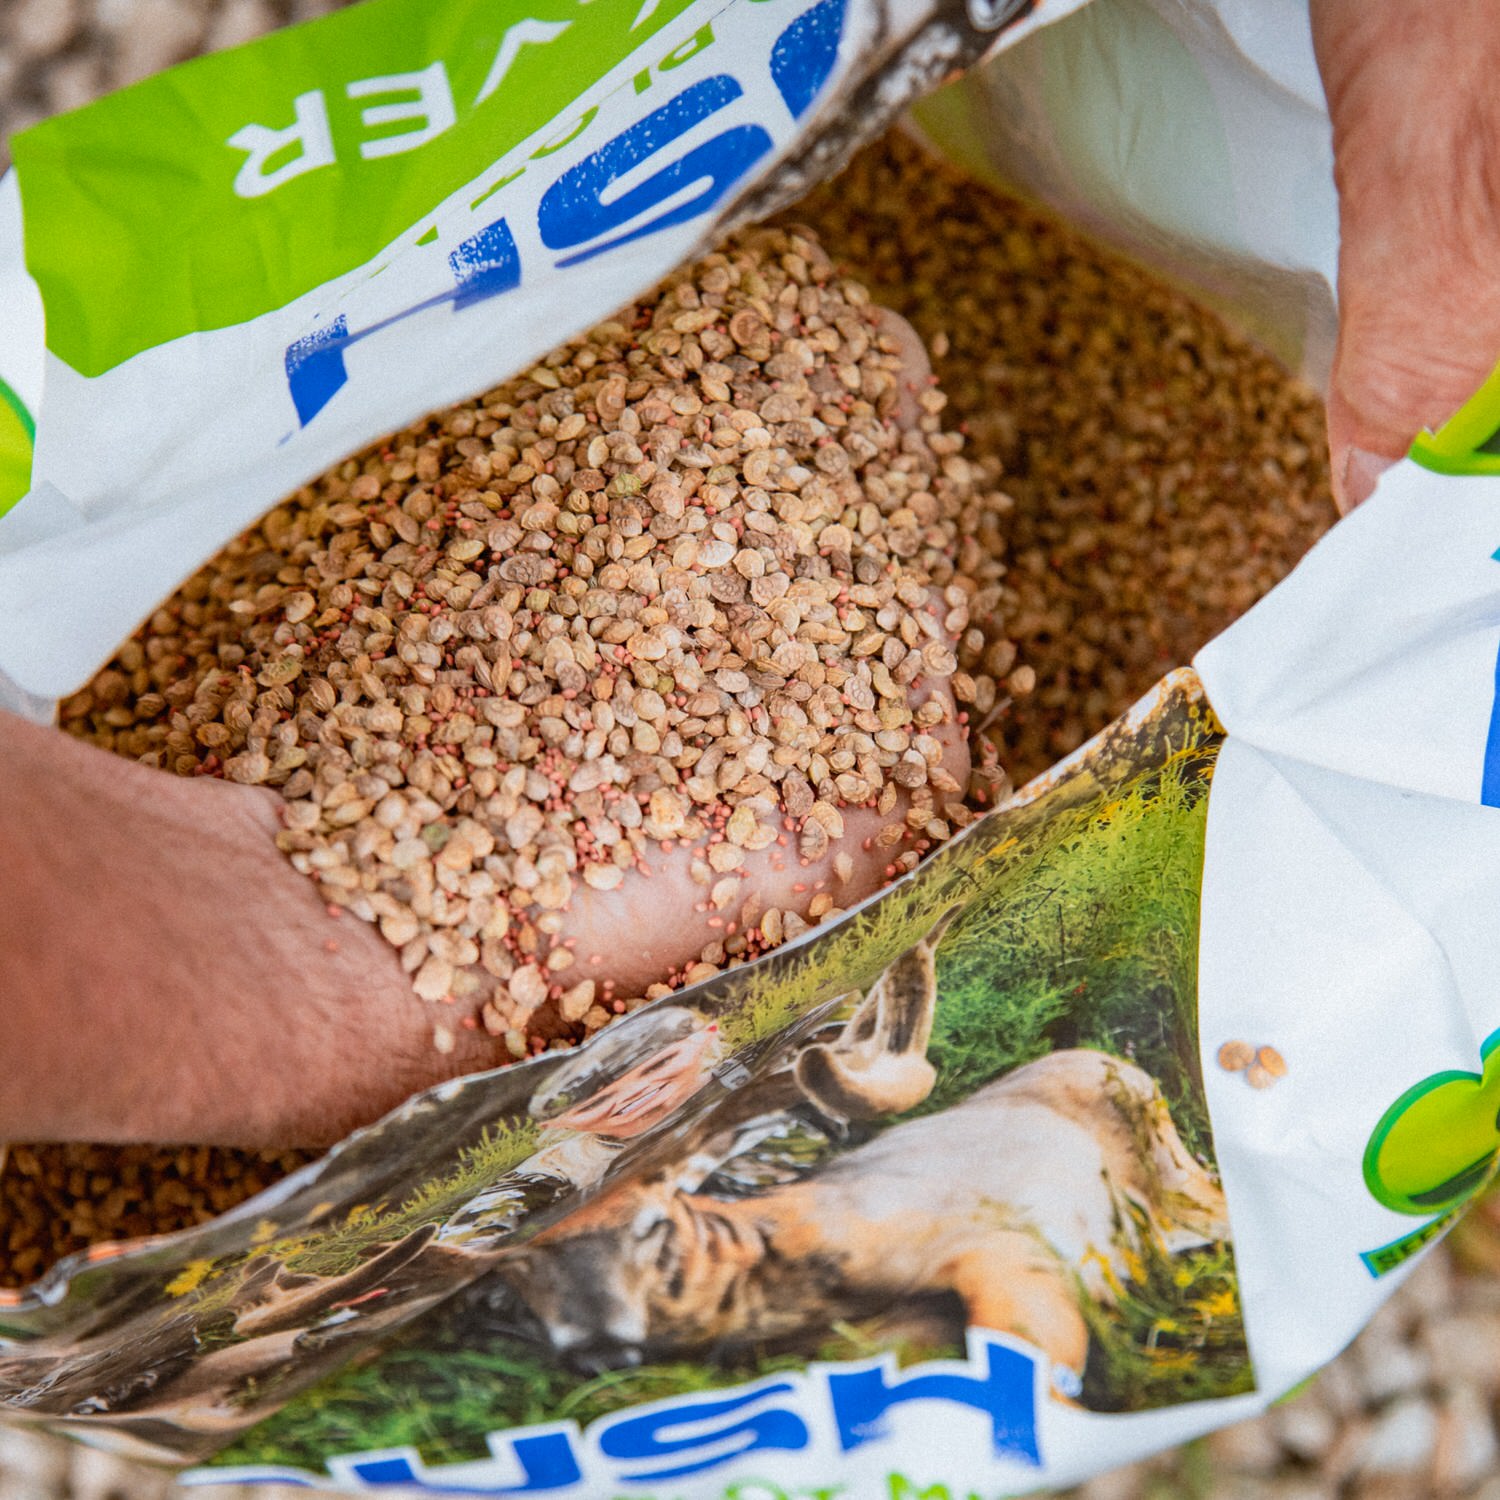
(1440,1141)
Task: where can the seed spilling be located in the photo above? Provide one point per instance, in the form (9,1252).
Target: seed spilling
(1262,1066)
(1236,1056)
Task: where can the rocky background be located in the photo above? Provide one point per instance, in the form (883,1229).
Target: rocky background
(1408,1411)
(58,54)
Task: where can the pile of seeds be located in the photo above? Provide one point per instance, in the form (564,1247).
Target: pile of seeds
(1164,472)
(58,1199)
(689,583)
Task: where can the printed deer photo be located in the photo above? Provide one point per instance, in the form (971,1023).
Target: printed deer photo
(1015,1206)
(278,1319)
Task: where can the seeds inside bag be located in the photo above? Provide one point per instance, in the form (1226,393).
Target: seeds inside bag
(1165,471)
(1164,474)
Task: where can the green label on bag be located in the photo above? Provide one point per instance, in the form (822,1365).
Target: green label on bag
(227,187)
(17,433)
(1469,441)
(1439,1143)
(1387,1258)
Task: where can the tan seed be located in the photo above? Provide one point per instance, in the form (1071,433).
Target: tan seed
(1272,1061)
(434,979)
(528,987)
(1236,1056)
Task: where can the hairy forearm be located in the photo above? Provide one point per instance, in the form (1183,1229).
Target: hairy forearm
(167,976)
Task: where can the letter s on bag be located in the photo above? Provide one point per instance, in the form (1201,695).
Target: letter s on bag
(573,211)
(686,1432)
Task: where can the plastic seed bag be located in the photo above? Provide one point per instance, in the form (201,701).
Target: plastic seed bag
(1106,1126)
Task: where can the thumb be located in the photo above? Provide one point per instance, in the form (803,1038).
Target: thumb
(1416,135)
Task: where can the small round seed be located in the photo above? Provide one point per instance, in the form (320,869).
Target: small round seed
(1236,1056)
(1272,1061)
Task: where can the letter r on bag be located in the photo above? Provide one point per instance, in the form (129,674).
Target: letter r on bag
(308,133)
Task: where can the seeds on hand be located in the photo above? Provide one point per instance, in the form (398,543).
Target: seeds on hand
(1109,572)
(537,644)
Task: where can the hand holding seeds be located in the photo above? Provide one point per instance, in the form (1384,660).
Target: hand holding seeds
(1416,140)
(622,673)
(169,977)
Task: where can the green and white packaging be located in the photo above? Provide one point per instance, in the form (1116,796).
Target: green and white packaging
(254,263)
(1086,1241)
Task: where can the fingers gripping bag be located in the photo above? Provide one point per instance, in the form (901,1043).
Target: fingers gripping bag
(1106,1125)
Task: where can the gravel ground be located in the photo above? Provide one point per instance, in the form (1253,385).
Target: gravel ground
(1408,1411)
(58,54)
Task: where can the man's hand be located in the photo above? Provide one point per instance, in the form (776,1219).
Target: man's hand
(1416,122)
(168,976)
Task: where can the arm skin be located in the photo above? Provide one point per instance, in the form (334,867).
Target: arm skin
(167,975)
(1416,123)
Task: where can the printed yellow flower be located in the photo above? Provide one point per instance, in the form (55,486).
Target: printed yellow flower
(1222,1304)
(189,1278)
